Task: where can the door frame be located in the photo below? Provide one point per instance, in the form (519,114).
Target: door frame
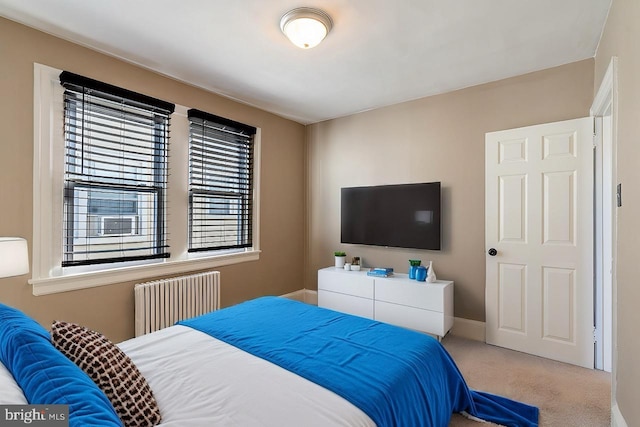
(605,105)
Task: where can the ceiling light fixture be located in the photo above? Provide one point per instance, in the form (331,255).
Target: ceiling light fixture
(306,27)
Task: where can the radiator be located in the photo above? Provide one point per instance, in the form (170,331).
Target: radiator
(161,303)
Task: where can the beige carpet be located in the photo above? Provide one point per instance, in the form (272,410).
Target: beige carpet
(566,395)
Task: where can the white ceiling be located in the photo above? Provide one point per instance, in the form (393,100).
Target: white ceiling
(380,52)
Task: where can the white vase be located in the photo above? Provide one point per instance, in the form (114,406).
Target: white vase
(431,275)
(340,261)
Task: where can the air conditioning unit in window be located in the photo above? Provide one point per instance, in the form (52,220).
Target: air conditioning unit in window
(119,225)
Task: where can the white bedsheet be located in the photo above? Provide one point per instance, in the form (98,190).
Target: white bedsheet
(200,381)
(10,391)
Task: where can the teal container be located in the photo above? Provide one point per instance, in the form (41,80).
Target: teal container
(412,271)
(421,273)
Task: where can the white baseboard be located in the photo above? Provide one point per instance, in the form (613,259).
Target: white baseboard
(617,420)
(303,295)
(297,295)
(311,297)
(470,329)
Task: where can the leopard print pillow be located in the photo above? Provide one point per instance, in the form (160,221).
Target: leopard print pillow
(111,369)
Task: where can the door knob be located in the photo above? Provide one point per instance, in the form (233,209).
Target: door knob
(493,252)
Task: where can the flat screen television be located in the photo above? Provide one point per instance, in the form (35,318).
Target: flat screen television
(403,216)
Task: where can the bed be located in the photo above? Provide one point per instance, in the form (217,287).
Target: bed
(265,362)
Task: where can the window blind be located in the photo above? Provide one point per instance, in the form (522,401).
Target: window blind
(115,173)
(220,183)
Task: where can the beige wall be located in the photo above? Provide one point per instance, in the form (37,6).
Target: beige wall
(110,308)
(620,38)
(439,138)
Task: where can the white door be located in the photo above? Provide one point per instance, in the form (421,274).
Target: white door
(539,240)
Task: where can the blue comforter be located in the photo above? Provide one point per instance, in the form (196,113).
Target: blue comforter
(396,376)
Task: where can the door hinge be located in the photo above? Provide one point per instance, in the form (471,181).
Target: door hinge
(595,335)
(619,194)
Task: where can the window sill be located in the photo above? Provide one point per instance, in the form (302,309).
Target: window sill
(73,282)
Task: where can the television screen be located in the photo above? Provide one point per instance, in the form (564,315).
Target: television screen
(403,216)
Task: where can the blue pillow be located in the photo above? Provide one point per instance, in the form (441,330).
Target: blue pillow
(46,376)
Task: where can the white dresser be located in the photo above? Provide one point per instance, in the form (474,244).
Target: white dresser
(398,300)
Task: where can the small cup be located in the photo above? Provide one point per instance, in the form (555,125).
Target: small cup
(347,266)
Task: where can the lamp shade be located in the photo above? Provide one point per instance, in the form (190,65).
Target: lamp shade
(306,27)
(14,256)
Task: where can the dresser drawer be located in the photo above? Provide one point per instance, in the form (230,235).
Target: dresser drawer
(357,306)
(427,296)
(346,282)
(412,318)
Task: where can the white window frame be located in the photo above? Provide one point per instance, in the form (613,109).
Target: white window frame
(48,276)
(216,125)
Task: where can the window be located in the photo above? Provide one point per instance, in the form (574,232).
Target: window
(220,183)
(112,191)
(115,173)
